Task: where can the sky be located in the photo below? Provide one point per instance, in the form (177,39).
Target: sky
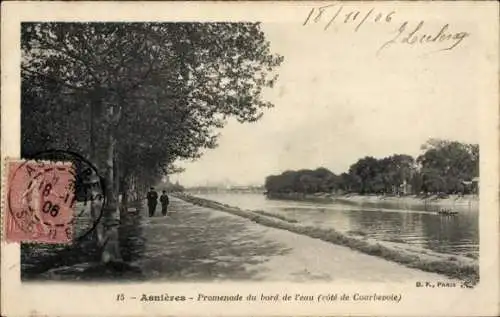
(336,101)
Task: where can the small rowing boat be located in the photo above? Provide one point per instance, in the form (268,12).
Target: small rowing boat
(447,212)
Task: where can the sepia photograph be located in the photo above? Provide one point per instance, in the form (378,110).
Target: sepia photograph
(142,99)
(343,146)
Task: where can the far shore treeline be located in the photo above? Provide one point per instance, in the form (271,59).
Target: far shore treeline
(445,167)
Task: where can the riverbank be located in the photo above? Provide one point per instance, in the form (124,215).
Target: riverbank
(430,203)
(193,243)
(458,267)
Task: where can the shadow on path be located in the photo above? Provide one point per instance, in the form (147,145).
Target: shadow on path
(193,243)
(189,244)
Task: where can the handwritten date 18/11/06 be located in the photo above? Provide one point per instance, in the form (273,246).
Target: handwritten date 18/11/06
(333,13)
(419,34)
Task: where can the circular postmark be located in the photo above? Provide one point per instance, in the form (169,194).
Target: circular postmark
(54,197)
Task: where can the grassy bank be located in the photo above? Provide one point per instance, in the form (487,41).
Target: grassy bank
(462,268)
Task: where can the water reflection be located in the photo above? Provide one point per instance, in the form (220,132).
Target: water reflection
(416,227)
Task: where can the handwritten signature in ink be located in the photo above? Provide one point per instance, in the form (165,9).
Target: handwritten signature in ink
(442,37)
(415,36)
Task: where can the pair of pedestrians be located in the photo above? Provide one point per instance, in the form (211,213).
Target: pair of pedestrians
(153,201)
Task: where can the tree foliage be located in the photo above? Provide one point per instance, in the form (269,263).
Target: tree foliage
(444,167)
(302,181)
(136,97)
(173,83)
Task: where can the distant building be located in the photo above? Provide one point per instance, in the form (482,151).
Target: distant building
(472,185)
(405,188)
(475,185)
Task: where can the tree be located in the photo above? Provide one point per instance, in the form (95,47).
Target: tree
(400,169)
(445,165)
(366,175)
(346,182)
(306,181)
(152,92)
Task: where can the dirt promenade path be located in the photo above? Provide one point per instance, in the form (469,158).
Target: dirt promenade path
(195,243)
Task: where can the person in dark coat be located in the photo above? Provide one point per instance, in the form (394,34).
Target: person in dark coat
(152,201)
(164,202)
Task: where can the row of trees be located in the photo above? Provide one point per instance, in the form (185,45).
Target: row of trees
(444,167)
(136,97)
(303,181)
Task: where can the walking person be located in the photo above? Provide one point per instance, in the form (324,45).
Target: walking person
(152,201)
(164,202)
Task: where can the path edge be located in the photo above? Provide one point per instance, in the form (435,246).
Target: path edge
(465,271)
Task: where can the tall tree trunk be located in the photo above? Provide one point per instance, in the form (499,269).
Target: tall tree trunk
(137,189)
(95,205)
(111,213)
(125,194)
(125,188)
(116,172)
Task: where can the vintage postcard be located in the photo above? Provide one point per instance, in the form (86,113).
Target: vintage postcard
(250,159)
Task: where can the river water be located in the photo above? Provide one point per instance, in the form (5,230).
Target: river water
(458,235)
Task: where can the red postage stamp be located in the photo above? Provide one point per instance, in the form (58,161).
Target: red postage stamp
(39,202)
